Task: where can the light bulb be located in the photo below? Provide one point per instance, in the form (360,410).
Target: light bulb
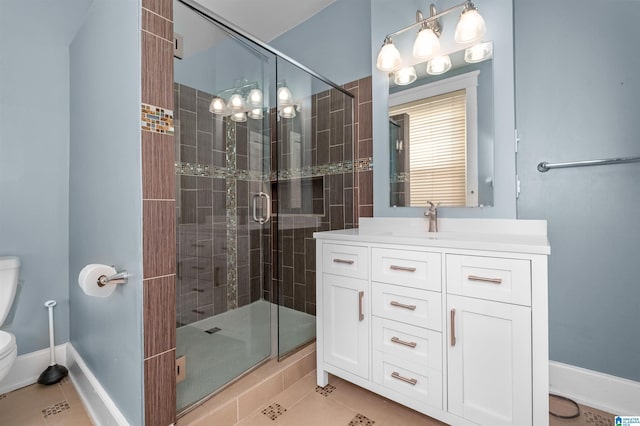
(239,117)
(236,103)
(404,76)
(217,106)
(389,57)
(426,45)
(254,99)
(284,96)
(439,65)
(287,112)
(255,113)
(478,52)
(471,26)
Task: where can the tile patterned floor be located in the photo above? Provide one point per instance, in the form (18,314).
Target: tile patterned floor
(39,405)
(343,404)
(338,404)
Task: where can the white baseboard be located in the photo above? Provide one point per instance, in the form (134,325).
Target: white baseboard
(99,405)
(27,368)
(598,390)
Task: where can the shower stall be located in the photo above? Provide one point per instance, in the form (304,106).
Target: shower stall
(264,158)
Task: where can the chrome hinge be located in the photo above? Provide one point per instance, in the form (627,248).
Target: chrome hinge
(516,139)
(517,187)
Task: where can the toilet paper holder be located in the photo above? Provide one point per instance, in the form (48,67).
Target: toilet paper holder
(119,278)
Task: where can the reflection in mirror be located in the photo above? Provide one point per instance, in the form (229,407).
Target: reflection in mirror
(441,136)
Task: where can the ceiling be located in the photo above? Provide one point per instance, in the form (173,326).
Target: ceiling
(264,19)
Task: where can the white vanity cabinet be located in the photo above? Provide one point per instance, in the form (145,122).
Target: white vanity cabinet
(453,325)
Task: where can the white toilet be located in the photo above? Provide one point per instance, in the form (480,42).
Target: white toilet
(8,283)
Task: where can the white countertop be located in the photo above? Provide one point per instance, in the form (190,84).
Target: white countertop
(509,235)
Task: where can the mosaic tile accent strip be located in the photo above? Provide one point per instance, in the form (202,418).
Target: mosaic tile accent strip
(597,419)
(360,420)
(363,165)
(232,219)
(189,169)
(156,119)
(55,409)
(325,391)
(401,177)
(274,411)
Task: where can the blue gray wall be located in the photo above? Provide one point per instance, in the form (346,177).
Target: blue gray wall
(34,160)
(334,42)
(105,202)
(577,93)
(389,16)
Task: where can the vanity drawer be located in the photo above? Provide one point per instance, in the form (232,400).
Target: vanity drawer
(403,341)
(415,381)
(345,260)
(408,268)
(421,308)
(491,278)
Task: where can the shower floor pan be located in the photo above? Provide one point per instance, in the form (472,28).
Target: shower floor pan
(242,339)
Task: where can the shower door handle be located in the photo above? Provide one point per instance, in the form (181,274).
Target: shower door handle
(268,199)
(262,219)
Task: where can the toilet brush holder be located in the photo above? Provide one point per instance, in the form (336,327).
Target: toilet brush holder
(54,372)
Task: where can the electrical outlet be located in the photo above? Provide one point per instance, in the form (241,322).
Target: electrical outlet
(181,368)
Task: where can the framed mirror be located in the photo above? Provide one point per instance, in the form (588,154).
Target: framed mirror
(441,135)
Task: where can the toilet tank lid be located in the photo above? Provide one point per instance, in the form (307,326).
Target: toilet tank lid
(9,262)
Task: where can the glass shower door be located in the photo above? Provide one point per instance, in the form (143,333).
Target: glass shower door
(314,159)
(222,91)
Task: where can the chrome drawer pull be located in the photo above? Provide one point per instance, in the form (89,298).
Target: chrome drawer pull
(483,279)
(402,342)
(397,375)
(348,262)
(402,268)
(402,305)
(360,308)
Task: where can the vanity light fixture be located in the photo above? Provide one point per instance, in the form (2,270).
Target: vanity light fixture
(245,98)
(439,65)
(218,106)
(236,103)
(255,114)
(405,76)
(254,98)
(427,42)
(470,27)
(389,57)
(478,52)
(287,108)
(239,117)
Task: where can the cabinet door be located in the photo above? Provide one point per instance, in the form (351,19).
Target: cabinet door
(346,324)
(489,357)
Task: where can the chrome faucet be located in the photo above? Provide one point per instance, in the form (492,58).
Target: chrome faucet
(432,214)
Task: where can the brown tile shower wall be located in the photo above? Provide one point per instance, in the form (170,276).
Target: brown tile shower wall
(338,199)
(219,172)
(158,207)
(363,147)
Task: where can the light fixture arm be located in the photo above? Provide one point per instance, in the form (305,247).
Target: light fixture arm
(433,24)
(433,17)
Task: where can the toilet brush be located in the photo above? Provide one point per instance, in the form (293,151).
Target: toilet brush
(54,372)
